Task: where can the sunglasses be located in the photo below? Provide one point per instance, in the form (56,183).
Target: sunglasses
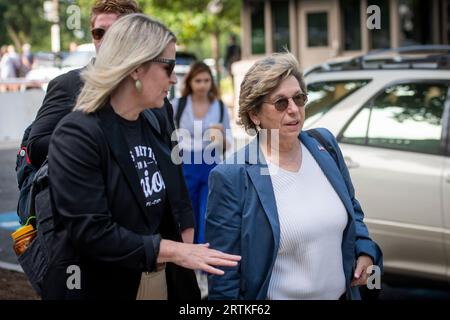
(299,99)
(170,64)
(98,33)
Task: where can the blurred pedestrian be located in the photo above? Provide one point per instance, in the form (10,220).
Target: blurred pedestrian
(3,51)
(233,54)
(289,207)
(107,148)
(204,120)
(73,46)
(27,60)
(201,115)
(9,68)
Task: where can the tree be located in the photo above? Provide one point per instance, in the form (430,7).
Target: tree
(194,24)
(22,21)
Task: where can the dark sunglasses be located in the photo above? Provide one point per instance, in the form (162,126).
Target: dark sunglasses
(98,33)
(170,64)
(300,100)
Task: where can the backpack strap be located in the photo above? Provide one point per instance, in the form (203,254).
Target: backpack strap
(181,106)
(153,120)
(222,110)
(325,143)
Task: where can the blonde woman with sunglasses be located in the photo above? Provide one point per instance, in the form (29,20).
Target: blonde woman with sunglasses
(113,185)
(285,202)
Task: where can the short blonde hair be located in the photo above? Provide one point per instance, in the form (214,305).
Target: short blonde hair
(132,41)
(261,80)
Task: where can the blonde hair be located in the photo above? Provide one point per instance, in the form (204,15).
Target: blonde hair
(261,80)
(132,41)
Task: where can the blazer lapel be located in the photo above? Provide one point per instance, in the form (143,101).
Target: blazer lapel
(260,177)
(329,168)
(119,148)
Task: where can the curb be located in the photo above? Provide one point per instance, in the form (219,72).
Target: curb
(11,266)
(10,144)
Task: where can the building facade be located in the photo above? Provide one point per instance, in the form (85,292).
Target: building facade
(319,30)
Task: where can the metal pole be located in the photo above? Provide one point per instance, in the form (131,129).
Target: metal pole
(55,32)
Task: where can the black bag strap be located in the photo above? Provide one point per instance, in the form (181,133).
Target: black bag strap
(222,110)
(182,105)
(325,143)
(153,120)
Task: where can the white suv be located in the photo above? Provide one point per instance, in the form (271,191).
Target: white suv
(391,116)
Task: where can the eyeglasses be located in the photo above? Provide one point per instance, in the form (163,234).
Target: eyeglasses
(98,33)
(300,100)
(170,64)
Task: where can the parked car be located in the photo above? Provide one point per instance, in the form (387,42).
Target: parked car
(391,116)
(73,60)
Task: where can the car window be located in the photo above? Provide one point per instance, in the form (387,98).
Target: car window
(322,96)
(404,116)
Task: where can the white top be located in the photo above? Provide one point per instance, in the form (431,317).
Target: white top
(312,221)
(197,127)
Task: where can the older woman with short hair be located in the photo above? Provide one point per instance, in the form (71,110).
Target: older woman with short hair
(296,224)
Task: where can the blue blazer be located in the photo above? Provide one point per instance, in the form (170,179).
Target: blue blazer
(242,219)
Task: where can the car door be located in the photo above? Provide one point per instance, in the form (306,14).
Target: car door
(446,197)
(394,152)
(446,188)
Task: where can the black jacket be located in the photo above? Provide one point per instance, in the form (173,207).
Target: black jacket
(61,96)
(59,101)
(100,221)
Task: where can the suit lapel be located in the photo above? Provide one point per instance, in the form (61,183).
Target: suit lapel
(329,168)
(121,153)
(259,175)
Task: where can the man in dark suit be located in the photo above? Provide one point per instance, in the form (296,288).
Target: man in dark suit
(61,97)
(63,91)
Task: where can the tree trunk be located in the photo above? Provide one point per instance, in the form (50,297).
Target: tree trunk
(14,37)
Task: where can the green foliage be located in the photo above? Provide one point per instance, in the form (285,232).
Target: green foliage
(194,24)
(23,21)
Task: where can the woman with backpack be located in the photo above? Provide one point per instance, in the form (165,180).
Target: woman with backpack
(204,134)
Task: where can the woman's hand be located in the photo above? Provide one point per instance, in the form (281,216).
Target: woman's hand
(196,256)
(360,276)
(217,134)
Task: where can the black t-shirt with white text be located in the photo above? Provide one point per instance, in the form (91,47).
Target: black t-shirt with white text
(141,152)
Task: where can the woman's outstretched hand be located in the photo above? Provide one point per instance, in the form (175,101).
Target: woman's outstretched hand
(196,256)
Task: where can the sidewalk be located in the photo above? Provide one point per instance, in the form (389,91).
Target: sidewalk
(15,286)
(9,144)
